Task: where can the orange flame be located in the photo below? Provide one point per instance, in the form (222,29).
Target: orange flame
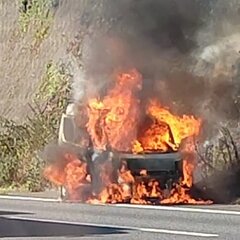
(73,175)
(167,130)
(118,111)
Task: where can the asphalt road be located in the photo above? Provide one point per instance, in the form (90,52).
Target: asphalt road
(28,219)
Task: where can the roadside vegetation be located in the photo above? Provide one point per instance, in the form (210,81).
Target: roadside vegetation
(220,163)
(35,16)
(220,155)
(20,144)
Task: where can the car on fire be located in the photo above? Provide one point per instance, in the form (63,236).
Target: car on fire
(166,168)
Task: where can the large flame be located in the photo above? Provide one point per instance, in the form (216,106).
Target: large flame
(166,131)
(114,123)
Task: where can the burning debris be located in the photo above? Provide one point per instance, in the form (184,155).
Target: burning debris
(128,160)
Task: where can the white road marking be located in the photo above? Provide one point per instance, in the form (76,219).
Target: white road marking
(152,230)
(180,209)
(176,232)
(38,199)
(164,208)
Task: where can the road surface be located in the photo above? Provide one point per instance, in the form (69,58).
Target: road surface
(22,218)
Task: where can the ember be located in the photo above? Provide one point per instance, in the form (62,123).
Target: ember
(114,127)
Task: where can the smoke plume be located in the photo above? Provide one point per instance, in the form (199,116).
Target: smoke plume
(187,51)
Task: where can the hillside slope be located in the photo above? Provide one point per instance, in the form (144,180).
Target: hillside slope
(23,58)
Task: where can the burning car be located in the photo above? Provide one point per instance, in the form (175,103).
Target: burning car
(118,156)
(166,168)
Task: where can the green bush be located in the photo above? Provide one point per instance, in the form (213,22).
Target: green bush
(20,164)
(36,15)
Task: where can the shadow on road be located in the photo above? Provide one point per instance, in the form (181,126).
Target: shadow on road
(12,213)
(28,228)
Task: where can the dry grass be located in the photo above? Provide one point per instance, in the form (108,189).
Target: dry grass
(221,167)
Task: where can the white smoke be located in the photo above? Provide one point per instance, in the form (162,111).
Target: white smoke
(219,58)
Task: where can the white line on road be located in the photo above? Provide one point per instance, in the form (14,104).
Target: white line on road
(129,228)
(165,208)
(176,232)
(180,209)
(8,197)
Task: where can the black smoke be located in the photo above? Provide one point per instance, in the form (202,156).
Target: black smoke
(170,43)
